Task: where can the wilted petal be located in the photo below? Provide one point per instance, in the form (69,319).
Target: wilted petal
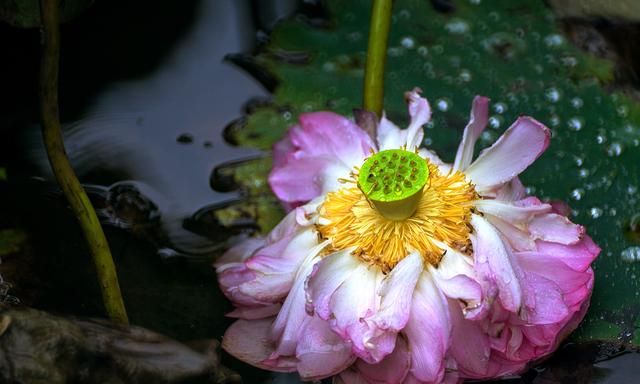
(254,313)
(320,352)
(286,327)
(514,151)
(510,212)
(396,293)
(249,341)
(353,302)
(350,376)
(392,369)
(275,268)
(329,274)
(428,331)
(489,249)
(556,228)
(511,191)
(519,239)
(469,344)
(477,123)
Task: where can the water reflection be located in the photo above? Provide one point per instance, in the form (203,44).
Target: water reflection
(164,130)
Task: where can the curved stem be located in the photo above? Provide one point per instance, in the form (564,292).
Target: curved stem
(376,56)
(75,194)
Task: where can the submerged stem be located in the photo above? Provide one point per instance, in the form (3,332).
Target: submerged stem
(75,194)
(376,56)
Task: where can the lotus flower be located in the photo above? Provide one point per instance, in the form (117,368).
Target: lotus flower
(395,267)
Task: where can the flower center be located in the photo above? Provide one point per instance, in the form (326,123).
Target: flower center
(393,180)
(352,218)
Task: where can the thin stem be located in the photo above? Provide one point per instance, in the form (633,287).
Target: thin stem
(376,56)
(52,134)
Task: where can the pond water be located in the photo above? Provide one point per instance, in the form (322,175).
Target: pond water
(146,96)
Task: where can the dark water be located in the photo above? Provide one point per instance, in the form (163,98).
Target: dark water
(145,95)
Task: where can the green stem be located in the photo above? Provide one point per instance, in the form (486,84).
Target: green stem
(52,134)
(376,56)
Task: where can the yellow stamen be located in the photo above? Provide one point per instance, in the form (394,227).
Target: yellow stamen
(443,214)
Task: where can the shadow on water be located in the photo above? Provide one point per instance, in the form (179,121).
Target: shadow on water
(146,94)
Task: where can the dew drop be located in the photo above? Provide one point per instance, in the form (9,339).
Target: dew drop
(577,193)
(500,107)
(600,139)
(408,42)
(614,149)
(554,120)
(595,212)
(553,40)
(577,103)
(552,94)
(622,110)
(443,105)
(465,75)
(457,26)
(583,172)
(495,122)
(575,123)
(423,51)
(630,254)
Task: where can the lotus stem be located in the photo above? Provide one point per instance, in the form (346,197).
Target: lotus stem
(376,56)
(73,191)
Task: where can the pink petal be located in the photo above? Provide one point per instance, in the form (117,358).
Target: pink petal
(287,325)
(249,341)
(255,313)
(240,252)
(328,275)
(554,269)
(548,306)
(428,331)
(392,137)
(511,191)
(469,344)
(477,123)
(518,239)
(577,256)
(389,135)
(460,287)
(396,294)
(303,179)
(274,268)
(354,301)
(320,352)
(556,228)
(282,151)
(393,369)
(514,151)
(490,251)
(510,212)
(560,207)
(349,376)
(327,134)
(315,153)
(420,113)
